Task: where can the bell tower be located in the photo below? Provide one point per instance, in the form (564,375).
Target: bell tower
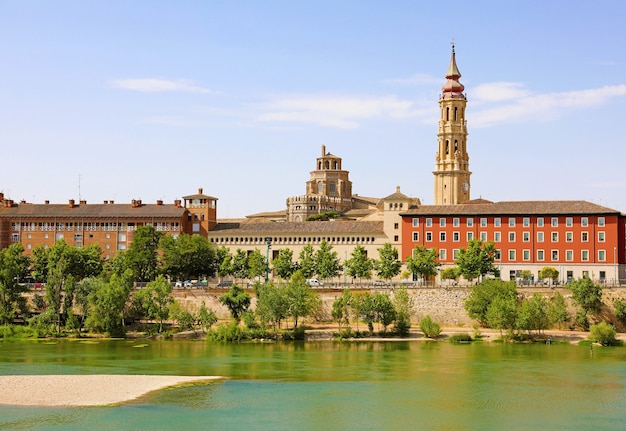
(452,175)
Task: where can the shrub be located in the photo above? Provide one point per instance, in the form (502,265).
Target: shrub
(460,338)
(603,333)
(430,328)
(296,333)
(228,332)
(620,310)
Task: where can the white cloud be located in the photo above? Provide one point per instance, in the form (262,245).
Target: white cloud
(334,111)
(528,107)
(156,85)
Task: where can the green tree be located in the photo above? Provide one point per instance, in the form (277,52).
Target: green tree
(155,299)
(13,268)
(587,295)
(327,263)
(557,310)
(403,305)
(483,294)
(284,264)
(108,302)
(256,264)
(603,333)
(502,312)
(341,308)
(307,261)
(236,300)
(550,273)
(423,262)
(272,304)
(477,259)
(225,260)
(430,328)
(384,310)
(532,314)
(366,309)
(240,264)
(187,255)
(452,273)
(302,300)
(359,265)
(620,310)
(387,266)
(206,317)
(142,256)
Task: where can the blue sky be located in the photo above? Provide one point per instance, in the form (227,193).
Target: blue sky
(122,100)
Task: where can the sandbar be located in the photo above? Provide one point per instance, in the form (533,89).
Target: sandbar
(85,390)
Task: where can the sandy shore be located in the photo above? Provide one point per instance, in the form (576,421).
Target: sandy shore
(84,390)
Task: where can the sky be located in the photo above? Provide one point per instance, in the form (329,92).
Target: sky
(122,100)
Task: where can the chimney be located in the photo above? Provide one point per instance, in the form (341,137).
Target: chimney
(47,202)
(71,203)
(1,196)
(323,150)
(200,191)
(159,202)
(397,189)
(111,202)
(83,202)
(105,202)
(177,203)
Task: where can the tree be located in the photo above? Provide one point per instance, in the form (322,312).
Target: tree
(206,317)
(477,259)
(240,264)
(423,262)
(502,312)
(587,295)
(452,273)
(341,308)
(256,264)
(557,310)
(620,310)
(272,304)
(142,257)
(225,262)
(155,300)
(366,309)
(301,298)
(13,267)
(236,300)
(284,264)
(483,294)
(550,273)
(603,333)
(429,327)
(388,265)
(327,263)
(403,305)
(307,261)
(187,255)
(384,310)
(107,302)
(359,265)
(532,314)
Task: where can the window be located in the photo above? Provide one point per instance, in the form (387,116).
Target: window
(416,222)
(569,236)
(540,255)
(78,237)
(497,236)
(511,221)
(601,237)
(511,255)
(555,255)
(483,222)
(584,255)
(470,222)
(569,255)
(121,237)
(569,222)
(442,222)
(498,254)
(483,236)
(15,237)
(455,254)
(470,236)
(584,221)
(396,238)
(416,236)
(526,236)
(526,255)
(442,254)
(442,236)
(195,227)
(601,255)
(584,236)
(429,222)
(497,222)
(601,221)
(456,236)
(511,236)
(540,222)
(555,237)
(429,236)
(456,222)
(396,225)
(555,221)
(526,221)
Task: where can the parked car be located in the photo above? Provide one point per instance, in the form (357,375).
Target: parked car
(381,283)
(224,284)
(314,282)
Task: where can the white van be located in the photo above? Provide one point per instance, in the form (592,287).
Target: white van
(314,282)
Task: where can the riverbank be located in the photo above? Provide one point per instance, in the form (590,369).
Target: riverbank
(85,390)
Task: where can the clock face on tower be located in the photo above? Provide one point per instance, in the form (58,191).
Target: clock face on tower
(465,186)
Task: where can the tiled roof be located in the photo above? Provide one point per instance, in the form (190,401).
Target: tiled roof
(311,227)
(91,211)
(513,208)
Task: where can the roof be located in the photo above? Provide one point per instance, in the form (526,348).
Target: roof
(91,211)
(513,208)
(310,227)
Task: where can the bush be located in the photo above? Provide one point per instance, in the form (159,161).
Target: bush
(430,328)
(603,333)
(460,338)
(620,310)
(17,331)
(228,332)
(296,333)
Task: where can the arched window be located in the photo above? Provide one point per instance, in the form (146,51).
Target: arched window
(320,188)
(447,114)
(447,147)
(456,113)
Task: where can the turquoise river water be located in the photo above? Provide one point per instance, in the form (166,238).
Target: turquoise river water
(399,385)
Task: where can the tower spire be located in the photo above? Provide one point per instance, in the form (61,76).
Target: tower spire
(452,88)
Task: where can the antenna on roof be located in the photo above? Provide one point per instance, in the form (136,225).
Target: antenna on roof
(79,198)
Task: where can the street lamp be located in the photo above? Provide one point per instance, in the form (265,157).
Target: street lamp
(615,279)
(268,241)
